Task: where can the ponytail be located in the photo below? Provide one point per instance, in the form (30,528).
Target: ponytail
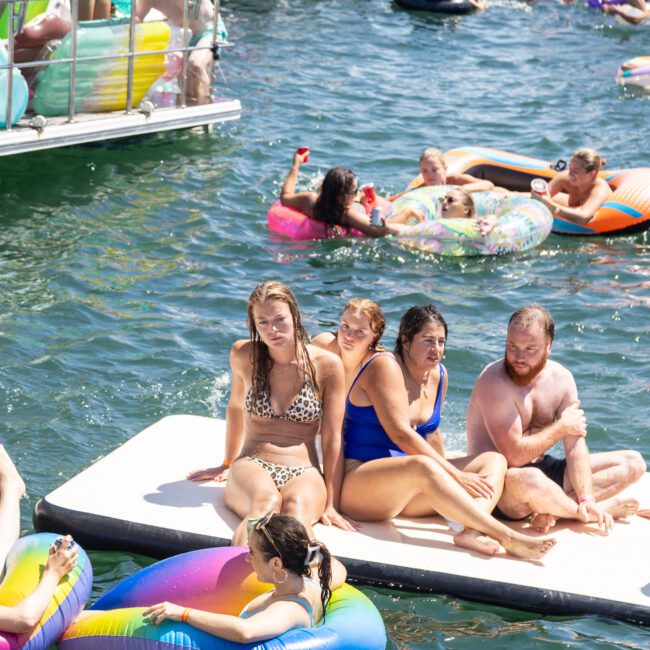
(324,573)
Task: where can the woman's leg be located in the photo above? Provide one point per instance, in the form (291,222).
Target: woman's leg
(304,497)
(417,486)
(12,488)
(250,492)
(493,466)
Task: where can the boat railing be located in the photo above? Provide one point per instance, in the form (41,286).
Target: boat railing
(16,9)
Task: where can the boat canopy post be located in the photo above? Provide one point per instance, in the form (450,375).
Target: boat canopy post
(131,65)
(10,62)
(73,55)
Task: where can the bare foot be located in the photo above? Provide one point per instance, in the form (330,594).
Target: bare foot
(529,548)
(620,507)
(643,513)
(474,541)
(542,523)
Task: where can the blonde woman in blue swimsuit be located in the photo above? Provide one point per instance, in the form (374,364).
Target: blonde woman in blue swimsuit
(395,460)
(284,392)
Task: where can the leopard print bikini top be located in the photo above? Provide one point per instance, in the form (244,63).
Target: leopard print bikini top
(306,407)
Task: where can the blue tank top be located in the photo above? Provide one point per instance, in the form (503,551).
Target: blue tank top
(303,602)
(365,438)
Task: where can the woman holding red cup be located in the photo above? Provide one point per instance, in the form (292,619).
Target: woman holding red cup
(336,202)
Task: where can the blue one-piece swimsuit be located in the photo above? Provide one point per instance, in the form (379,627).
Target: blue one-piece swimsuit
(365,438)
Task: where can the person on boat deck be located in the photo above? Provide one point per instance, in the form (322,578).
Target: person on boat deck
(301,570)
(25,615)
(94,9)
(395,460)
(521,406)
(335,202)
(633,11)
(200,22)
(576,194)
(284,392)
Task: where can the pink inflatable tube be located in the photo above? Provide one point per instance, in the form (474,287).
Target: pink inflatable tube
(296,225)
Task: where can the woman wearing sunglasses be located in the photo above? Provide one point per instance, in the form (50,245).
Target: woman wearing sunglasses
(281,553)
(394,456)
(284,392)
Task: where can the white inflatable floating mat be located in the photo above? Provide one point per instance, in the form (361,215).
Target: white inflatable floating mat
(137,499)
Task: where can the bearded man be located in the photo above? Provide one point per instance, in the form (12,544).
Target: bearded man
(521,406)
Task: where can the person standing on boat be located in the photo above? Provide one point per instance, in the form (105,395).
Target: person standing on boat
(395,460)
(200,22)
(576,194)
(521,406)
(284,392)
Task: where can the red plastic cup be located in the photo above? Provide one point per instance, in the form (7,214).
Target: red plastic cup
(303,150)
(369,192)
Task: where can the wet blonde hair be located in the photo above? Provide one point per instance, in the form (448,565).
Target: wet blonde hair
(431,153)
(590,159)
(466,200)
(261,361)
(375,315)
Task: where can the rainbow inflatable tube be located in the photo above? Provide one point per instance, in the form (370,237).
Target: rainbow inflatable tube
(218,580)
(635,72)
(24,567)
(523,224)
(626,211)
(101,85)
(296,225)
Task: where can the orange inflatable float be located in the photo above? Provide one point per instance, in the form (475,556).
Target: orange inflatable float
(627,210)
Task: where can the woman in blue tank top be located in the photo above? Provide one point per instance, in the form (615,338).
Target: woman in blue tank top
(281,554)
(395,463)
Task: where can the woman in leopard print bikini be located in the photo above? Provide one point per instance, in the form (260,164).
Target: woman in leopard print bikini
(284,392)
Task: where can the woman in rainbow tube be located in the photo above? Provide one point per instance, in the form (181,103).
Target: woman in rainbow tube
(284,392)
(280,552)
(25,615)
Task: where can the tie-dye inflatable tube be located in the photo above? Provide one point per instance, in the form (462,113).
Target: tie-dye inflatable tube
(101,85)
(24,565)
(217,580)
(19,92)
(523,224)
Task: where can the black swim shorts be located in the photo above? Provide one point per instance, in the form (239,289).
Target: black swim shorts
(552,467)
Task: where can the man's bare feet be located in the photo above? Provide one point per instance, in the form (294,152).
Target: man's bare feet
(475,541)
(620,507)
(542,522)
(529,548)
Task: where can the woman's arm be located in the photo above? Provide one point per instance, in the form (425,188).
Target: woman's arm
(270,622)
(583,213)
(332,385)
(26,614)
(302,201)
(383,383)
(234,417)
(357,218)
(470,183)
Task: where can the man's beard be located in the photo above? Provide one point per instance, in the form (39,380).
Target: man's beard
(524,380)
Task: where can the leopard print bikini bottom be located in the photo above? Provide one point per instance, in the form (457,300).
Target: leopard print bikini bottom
(281,474)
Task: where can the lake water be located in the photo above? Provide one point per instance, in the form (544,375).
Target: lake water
(125,268)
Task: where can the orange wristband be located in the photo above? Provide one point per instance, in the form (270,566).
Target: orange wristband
(227,463)
(186,614)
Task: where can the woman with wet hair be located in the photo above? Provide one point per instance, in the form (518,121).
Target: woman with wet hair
(282,553)
(577,193)
(284,391)
(335,202)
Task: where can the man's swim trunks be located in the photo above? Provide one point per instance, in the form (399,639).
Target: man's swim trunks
(552,467)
